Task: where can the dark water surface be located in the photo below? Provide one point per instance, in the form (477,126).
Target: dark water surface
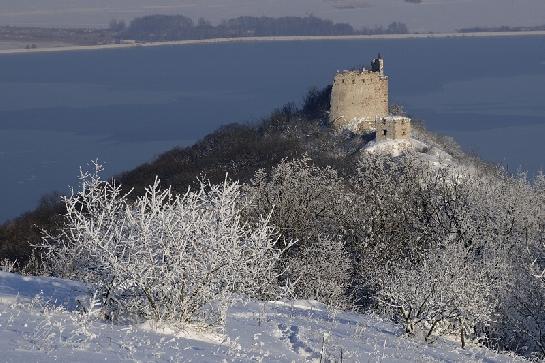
(60,110)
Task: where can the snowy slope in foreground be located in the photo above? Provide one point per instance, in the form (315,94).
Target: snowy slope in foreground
(34,331)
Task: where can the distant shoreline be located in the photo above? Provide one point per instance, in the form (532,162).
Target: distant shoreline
(73,48)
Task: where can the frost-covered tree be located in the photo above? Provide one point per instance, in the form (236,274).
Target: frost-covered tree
(450,291)
(309,204)
(306,200)
(399,211)
(321,271)
(170,257)
(521,323)
(433,242)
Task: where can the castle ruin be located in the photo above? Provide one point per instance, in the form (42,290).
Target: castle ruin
(392,128)
(359,102)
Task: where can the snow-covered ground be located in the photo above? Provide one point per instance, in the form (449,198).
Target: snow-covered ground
(39,322)
(398,147)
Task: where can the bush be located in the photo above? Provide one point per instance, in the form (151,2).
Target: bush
(322,270)
(167,257)
(305,200)
(450,292)
(308,204)
(317,103)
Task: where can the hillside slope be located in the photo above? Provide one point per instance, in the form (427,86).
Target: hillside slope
(39,322)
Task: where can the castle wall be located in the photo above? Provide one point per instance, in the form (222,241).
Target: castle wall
(358,95)
(393,128)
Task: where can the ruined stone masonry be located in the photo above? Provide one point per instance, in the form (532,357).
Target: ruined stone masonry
(393,127)
(359,102)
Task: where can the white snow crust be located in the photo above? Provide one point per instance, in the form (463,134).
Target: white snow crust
(39,322)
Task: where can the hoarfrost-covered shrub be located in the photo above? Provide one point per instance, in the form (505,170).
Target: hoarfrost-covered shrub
(522,319)
(308,203)
(433,243)
(450,292)
(521,325)
(7,265)
(306,200)
(399,210)
(167,257)
(321,271)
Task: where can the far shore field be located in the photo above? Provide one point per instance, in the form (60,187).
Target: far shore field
(11,48)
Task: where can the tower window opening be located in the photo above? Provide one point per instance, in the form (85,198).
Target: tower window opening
(384,132)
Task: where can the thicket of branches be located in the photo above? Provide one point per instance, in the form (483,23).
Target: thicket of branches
(176,258)
(442,250)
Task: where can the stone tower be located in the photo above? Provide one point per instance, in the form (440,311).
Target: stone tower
(359,97)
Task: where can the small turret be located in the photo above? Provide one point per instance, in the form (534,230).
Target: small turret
(377,65)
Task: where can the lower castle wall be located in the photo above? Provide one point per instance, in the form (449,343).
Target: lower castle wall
(393,128)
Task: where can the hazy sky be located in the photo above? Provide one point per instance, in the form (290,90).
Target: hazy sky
(429,15)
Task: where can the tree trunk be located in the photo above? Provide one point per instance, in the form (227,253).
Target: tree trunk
(462,335)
